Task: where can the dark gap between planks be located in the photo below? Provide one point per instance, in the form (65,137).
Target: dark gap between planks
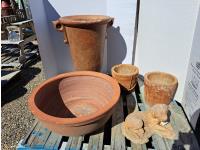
(107,132)
(127,142)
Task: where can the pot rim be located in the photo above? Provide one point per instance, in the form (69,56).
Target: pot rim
(125,75)
(80,120)
(147,81)
(71,20)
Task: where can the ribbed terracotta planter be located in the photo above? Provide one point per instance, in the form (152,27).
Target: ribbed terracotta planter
(159,88)
(85,35)
(75,103)
(126,75)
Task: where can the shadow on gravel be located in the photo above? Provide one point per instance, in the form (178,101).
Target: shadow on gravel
(16,87)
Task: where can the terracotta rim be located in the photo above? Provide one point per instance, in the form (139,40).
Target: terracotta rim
(85,19)
(46,117)
(125,75)
(148,81)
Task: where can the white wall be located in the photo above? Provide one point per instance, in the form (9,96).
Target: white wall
(45,43)
(55,54)
(165,34)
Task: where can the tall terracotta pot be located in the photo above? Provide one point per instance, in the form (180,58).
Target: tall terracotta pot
(159,88)
(85,35)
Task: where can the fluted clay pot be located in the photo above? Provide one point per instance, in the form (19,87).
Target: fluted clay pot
(159,88)
(75,103)
(85,35)
(126,75)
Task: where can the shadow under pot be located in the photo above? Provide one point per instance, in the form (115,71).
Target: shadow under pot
(126,75)
(159,88)
(85,35)
(75,103)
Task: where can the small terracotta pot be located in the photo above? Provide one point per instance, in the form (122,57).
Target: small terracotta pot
(159,88)
(75,103)
(85,35)
(126,75)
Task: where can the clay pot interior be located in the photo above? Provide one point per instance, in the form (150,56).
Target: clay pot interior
(74,97)
(124,69)
(84,19)
(54,106)
(85,95)
(161,79)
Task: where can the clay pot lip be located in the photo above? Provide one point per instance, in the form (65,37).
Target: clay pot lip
(125,65)
(76,20)
(80,120)
(147,81)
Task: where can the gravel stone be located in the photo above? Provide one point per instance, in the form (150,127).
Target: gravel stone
(16,119)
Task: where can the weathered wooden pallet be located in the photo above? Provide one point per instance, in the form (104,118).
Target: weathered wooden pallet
(7,76)
(10,56)
(111,138)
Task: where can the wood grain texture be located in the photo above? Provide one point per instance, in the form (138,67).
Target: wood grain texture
(96,142)
(26,138)
(34,133)
(53,141)
(40,138)
(186,138)
(117,139)
(74,143)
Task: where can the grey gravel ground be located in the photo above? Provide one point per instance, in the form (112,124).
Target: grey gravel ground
(16,119)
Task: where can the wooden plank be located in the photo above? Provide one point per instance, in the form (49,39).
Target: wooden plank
(34,133)
(12,59)
(74,143)
(21,22)
(63,145)
(40,138)
(6,59)
(10,75)
(12,64)
(186,138)
(106,147)
(29,133)
(117,139)
(53,141)
(85,146)
(96,141)
(132,106)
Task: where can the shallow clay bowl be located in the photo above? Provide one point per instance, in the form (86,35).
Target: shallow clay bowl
(159,87)
(126,75)
(75,103)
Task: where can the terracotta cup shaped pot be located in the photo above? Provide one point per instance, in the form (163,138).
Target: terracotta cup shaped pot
(85,35)
(159,88)
(75,103)
(126,75)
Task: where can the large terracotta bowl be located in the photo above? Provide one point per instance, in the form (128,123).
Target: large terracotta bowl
(75,103)
(159,88)
(126,75)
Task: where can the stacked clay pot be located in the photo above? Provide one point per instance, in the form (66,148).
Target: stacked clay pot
(126,75)
(159,88)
